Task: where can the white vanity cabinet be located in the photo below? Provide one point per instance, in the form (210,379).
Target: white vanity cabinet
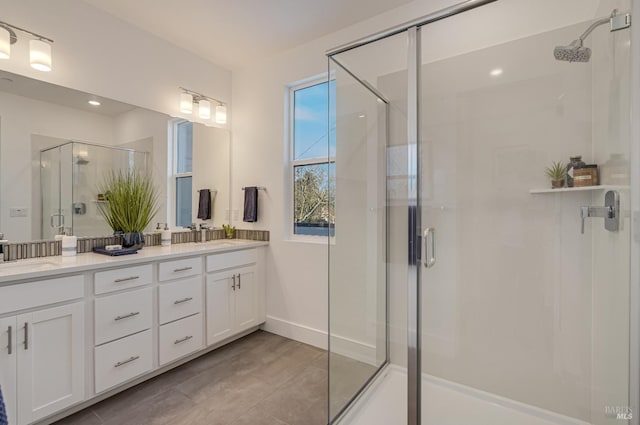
(42,363)
(8,366)
(232,294)
(108,325)
(50,360)
(180,308)
(122,325)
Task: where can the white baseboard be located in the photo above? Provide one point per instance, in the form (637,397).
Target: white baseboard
(295,331)
(347,347)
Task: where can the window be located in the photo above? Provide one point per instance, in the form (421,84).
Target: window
(312,162)
(182,172)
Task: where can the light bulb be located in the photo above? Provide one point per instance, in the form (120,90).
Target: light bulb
(40,55)
(221,114)
(204,109)
(186,103)
(5,43)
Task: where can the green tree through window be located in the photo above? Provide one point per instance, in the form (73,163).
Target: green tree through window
(313,164)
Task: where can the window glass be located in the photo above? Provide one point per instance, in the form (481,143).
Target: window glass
(183,201)
(184,147)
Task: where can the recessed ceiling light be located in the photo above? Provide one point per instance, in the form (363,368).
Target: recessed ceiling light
(94,103)
(361,116)
(496,72)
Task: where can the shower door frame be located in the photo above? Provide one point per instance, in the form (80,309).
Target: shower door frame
(414,210)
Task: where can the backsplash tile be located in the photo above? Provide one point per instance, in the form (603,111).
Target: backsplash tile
(49,248)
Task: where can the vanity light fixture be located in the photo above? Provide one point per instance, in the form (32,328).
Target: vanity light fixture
(186,103)
(221,114)
(39,46)
(204,109)
(189,97)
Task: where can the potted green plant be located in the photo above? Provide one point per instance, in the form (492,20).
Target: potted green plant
(556,172)
(130,206)
(229,230)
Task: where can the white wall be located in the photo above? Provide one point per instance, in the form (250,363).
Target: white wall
(100,54)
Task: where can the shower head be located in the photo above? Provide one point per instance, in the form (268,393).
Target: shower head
(574,52)
(81,161)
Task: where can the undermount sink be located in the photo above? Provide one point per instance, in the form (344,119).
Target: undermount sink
(27,266)
(226,242)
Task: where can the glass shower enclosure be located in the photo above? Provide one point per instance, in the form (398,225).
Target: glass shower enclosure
(463,289)
(70,175)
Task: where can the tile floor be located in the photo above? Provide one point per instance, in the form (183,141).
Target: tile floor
(261,379)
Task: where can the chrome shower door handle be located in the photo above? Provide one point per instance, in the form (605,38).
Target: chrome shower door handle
(429,238)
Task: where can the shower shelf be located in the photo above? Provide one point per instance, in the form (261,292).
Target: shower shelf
(577,189)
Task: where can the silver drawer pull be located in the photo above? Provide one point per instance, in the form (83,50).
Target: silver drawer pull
(186,338)
(26,335)
(126,279)
(184,300)
(182,269)
(129,360)
(10,345)
(126,316)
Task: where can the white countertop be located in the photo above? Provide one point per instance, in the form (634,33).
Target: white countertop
(52,266)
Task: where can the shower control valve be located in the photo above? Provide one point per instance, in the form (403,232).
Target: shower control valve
(610,212)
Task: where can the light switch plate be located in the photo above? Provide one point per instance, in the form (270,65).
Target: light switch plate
(18,212)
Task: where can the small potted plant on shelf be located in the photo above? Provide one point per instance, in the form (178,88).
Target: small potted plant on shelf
(556,172)
(131,205)
(229,230)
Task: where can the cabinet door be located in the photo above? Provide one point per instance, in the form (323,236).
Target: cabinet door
(219,307)
(8,366)
(50,361)
(246,311)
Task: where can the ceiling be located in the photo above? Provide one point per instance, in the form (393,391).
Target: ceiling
(229,33)
(46,92)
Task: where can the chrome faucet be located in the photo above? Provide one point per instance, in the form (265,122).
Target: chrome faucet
(192,227)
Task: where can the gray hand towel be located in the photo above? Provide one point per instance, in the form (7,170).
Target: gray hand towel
(204,204)
(250,204)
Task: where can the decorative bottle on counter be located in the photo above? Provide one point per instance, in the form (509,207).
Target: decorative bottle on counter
(575,162)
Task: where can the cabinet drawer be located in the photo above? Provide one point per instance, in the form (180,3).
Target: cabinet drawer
(180,299)
(128,277)
(122,314)
(180,268)
(43,292)
(231,259)
(122,360)
(180,338)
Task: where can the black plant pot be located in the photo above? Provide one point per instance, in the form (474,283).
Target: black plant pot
(133,240)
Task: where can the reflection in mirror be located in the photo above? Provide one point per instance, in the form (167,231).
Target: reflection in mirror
(69,175)
(91,140)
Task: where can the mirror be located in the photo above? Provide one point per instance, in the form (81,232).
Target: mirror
(44,125)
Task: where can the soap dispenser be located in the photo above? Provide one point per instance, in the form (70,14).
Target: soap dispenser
(69,245)
(165,236)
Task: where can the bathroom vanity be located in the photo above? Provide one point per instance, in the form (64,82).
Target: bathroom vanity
(76,330)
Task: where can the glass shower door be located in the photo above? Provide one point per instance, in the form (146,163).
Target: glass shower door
(369,185)
(525,310)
